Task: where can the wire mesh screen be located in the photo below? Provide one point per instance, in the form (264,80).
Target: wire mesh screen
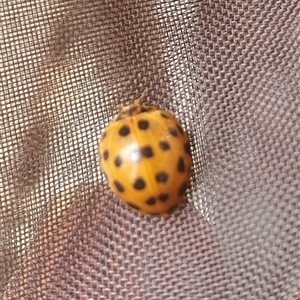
(229,70)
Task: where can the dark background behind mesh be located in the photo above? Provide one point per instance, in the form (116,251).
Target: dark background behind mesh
(229,70)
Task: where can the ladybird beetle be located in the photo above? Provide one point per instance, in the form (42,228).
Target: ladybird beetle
(146,158)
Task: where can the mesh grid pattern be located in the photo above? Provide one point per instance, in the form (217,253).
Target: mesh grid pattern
(229,70)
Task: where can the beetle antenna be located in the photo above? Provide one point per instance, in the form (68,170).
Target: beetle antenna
(138,100)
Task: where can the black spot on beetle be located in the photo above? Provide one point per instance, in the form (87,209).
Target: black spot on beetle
(180,165)
(147,151)
(173,132)
(164,145)
(143,124)
(139,184)
(124,130)
(105,155)
(182,189)
(118,161)
(163,197)
(151,201)
(187,148)
(162,177)
(119,186)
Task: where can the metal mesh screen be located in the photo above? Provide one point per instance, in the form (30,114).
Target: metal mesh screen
(229,70)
